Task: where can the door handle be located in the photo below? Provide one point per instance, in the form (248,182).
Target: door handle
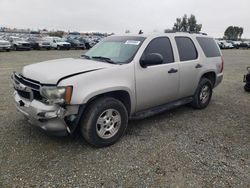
(198,66)
(172,71)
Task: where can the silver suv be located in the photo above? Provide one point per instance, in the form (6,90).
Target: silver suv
(121,78)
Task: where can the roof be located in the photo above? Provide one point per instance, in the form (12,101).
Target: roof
(147,35)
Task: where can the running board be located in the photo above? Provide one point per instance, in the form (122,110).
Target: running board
(158,109)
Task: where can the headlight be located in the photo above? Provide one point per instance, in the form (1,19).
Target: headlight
(58,95)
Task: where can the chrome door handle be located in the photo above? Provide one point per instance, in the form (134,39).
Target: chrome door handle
(198,66)
(172,71)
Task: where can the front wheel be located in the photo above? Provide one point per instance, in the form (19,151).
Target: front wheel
(104,122)
(203,94)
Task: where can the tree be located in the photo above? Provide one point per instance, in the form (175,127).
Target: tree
(56,33)
(177,25)
(233,33)
(186,24)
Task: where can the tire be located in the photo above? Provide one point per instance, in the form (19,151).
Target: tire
(101,110)
(58,48)
(15,48)
(8,50)
(247,87)
(201,100)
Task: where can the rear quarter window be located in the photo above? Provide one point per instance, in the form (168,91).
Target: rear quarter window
(208,46)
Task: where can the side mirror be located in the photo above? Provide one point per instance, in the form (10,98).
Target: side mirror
(151,59)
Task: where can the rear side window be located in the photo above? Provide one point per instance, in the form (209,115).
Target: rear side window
(162,46)
(186,49)
(208,46)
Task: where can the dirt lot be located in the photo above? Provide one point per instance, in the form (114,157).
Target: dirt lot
(182,147)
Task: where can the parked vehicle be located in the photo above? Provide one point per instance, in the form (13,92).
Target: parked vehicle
(236,44)
(19,43)
(75,44)
(88,43)
(4,45)
(247,80)
(38,43)
(225,45)
(121,77)
(245,44)
(58,43)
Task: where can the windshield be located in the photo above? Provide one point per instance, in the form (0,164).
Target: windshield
(59,40)
(120,50)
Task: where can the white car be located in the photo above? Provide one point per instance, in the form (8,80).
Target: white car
(225,45)
(58,43)
(5,45)
(121,77)
(19,43)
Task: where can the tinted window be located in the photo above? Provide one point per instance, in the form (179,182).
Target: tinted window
(208,46)
(186,48)
(162,46)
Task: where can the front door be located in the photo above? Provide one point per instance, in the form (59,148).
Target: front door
(157,84)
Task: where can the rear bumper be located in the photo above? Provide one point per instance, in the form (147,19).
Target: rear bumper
(219,79)
(50,118)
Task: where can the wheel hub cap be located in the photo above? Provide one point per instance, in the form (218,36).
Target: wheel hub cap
(204,94)
(108,123)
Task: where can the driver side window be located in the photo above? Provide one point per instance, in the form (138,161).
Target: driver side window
(161,45)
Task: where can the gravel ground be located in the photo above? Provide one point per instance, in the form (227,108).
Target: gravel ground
(179,148)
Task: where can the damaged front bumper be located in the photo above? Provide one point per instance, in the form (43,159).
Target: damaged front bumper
(53,119)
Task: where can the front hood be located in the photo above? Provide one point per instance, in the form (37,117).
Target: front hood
(50,72)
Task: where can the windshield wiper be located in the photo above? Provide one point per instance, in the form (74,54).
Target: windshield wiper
(85,56)
(106,59)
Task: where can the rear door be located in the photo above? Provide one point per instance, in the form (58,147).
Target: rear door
(157,84)
(189,66)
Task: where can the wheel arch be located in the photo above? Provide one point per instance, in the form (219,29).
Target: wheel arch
(121,95)
(211,75)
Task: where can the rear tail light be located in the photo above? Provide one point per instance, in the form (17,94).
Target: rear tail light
(222,64)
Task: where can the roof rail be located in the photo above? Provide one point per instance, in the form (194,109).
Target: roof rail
(190,32)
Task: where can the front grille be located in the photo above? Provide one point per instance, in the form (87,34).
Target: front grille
(26,45)
(27,82)
(34,88)
(23,94)
(37,95)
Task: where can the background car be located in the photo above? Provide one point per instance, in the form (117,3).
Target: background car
(38,43)
(75,43)
(245,44)
(225,45)
(19,43)
(5,45)
(58,43)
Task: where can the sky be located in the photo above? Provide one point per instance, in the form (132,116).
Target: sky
(120,15)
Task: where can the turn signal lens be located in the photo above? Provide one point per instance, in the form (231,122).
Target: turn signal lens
(68,94)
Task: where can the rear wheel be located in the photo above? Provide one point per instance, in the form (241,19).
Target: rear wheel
(247,87)
(104,122)
(58,47)
(203,94)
